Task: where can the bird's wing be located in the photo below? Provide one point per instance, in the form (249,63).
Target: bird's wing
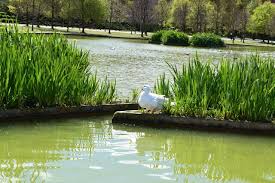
(160,101)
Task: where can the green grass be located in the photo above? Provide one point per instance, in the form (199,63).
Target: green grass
(242,89)
(42,71)
(134,95)
(206,40)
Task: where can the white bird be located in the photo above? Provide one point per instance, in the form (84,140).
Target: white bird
(151,101)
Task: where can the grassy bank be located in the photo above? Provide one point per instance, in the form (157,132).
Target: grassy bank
(124,34)
(241,89)
(42,71)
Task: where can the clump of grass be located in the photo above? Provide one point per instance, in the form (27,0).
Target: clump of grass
(175,38)
(163,86)
(41,71)
(242,89)
(135,94)
(156,37)
(206,40)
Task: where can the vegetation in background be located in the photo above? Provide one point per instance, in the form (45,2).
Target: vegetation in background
(156,38)
(41,71)
(263,20)
(175,38)
(170,37)
(181,39)
(206,40)
(242,89)
(234,18)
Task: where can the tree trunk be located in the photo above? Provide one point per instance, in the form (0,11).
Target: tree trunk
(82,17)
(141,29)
(33,16)
(52,14)
(111,16)
(38,15)
(27,16)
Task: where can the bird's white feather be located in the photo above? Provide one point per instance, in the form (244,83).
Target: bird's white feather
(151,101)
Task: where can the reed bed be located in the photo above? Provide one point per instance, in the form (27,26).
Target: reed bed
(242,89)
(43,70)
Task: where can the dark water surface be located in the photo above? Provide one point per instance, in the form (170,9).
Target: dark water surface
(94,150)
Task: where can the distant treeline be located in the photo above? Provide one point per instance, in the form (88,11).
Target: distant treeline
(233,18)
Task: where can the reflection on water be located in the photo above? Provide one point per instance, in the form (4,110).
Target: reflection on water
(93,149)
(133,63)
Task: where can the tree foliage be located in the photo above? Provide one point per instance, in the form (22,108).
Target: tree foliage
(263,19)
(223,17)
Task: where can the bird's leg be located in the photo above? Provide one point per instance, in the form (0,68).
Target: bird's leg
(153,111)
(142,110)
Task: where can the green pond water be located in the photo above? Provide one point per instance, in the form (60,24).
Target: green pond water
(94,150)
(133,63)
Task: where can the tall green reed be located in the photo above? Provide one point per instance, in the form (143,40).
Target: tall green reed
(40,70)
(242,89)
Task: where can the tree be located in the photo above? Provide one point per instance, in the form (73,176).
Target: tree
(217,16)
(179,13)
(144,13)
(39,7)
(242,20)
(67,12)
(162,12)
(3,6)
(21,8)
(230,16)
(198,15)
(132,15)
(88,11)
(52,10)
(263,20)
(115,11)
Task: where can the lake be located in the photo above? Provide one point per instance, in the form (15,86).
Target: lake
(133,63)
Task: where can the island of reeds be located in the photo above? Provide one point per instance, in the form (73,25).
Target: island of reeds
(242,89)
(46,70)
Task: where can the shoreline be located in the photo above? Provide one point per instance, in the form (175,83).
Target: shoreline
(138,118)
(90,35)
(63,112)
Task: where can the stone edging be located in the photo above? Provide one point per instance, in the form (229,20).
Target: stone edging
(161,120)
(53,112)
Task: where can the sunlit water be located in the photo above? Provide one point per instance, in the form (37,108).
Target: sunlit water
(94,150)
(133,63)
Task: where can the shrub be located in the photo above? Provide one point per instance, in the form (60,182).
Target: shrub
(175,38)
(156,37)
(206,40)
